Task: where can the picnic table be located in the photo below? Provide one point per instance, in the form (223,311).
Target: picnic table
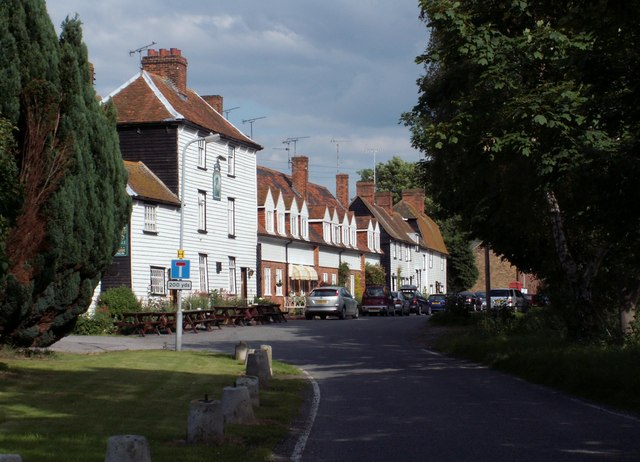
(157,322)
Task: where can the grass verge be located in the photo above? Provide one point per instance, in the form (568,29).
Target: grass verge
(64,406)
(605,374)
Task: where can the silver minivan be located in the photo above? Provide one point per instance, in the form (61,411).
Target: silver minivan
(330,301)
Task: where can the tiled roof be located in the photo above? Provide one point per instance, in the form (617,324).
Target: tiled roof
(316,195)
(147,186)
(148,98)
(429,230)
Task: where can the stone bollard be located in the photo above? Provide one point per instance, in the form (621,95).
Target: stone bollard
(241,351)
(258,365)
(236,405)
(10,458)
(127,448)
(269,351)
(253,385)
(205,424)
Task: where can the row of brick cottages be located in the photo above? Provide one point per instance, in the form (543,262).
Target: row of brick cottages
(284,236)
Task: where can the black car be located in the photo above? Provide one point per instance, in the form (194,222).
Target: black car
(471,300)
(417,302)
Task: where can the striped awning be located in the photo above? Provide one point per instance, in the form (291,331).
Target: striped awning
(302,272)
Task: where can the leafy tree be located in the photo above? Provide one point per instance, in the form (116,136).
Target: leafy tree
(398,175)
(72,201)
(528,111)
(374,274)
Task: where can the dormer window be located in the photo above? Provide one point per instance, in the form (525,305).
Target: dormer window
(336,234)
(281,227)
(326,231)
(370,241)
(293,222)
(345,235)
(269,221)
(304,227)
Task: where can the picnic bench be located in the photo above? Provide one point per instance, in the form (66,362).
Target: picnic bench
(158,322)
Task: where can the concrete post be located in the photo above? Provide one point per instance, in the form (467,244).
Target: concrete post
(127,448)
(269,351)
(241,351)
(236,405)
(258,365)
(253,385)
(205,424)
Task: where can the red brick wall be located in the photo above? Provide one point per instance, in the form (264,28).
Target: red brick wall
(502,274)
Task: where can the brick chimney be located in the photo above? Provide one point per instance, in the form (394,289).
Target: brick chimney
(415,198)
(167,63)
(300,174)
(365,189)
(215,101)
(384,199)
(342,189)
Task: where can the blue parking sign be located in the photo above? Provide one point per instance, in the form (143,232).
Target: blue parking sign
(180,269)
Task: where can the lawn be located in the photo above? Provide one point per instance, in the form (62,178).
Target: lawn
(607,374)
(56,407)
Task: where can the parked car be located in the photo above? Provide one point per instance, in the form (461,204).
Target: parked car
(377,299)
(437,302)
(482,296)
(510,298)
(470,300)
(417,302)
(400,303)
(330,301)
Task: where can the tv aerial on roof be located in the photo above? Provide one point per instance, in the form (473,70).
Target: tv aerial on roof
(337,143)
(251,121)
(140,50)
(294,140)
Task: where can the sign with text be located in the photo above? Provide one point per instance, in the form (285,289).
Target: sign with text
(174,284)
(180,269)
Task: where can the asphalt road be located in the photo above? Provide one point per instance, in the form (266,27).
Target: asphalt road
(385,396)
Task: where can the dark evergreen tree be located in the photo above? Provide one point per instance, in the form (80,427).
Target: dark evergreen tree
(70,172)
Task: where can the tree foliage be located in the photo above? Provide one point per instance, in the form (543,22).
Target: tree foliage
(374,274)
(397,175)
(69,180)
(528,113)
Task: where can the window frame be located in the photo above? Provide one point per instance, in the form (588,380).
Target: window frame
(160,286)
(231,217)
(202,210)
(150,218)
(203,267)
(233,287)
(231,161)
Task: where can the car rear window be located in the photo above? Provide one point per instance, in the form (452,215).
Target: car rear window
(323,293)
(374,292)
(499,293)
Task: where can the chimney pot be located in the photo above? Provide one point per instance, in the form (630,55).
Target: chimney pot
(384,199)
(342,189)
(169,64)
(366,190)
(415,198)
(300,174)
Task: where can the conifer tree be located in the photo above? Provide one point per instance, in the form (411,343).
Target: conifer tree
(69,173)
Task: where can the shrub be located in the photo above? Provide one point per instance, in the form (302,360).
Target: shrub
(119,300)
(99,324)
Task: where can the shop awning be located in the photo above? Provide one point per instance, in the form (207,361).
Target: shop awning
(302,272)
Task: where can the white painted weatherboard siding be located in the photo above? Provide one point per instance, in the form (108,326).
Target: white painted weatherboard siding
(149,249)
(215,242)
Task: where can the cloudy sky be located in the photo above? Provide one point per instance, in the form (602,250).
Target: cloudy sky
(336,74)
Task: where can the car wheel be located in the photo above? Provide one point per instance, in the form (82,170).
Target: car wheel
(308,316)
(343,313)
(355,315)
(419,310)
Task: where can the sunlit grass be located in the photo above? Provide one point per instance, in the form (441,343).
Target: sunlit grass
(65,406)
(606,374)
